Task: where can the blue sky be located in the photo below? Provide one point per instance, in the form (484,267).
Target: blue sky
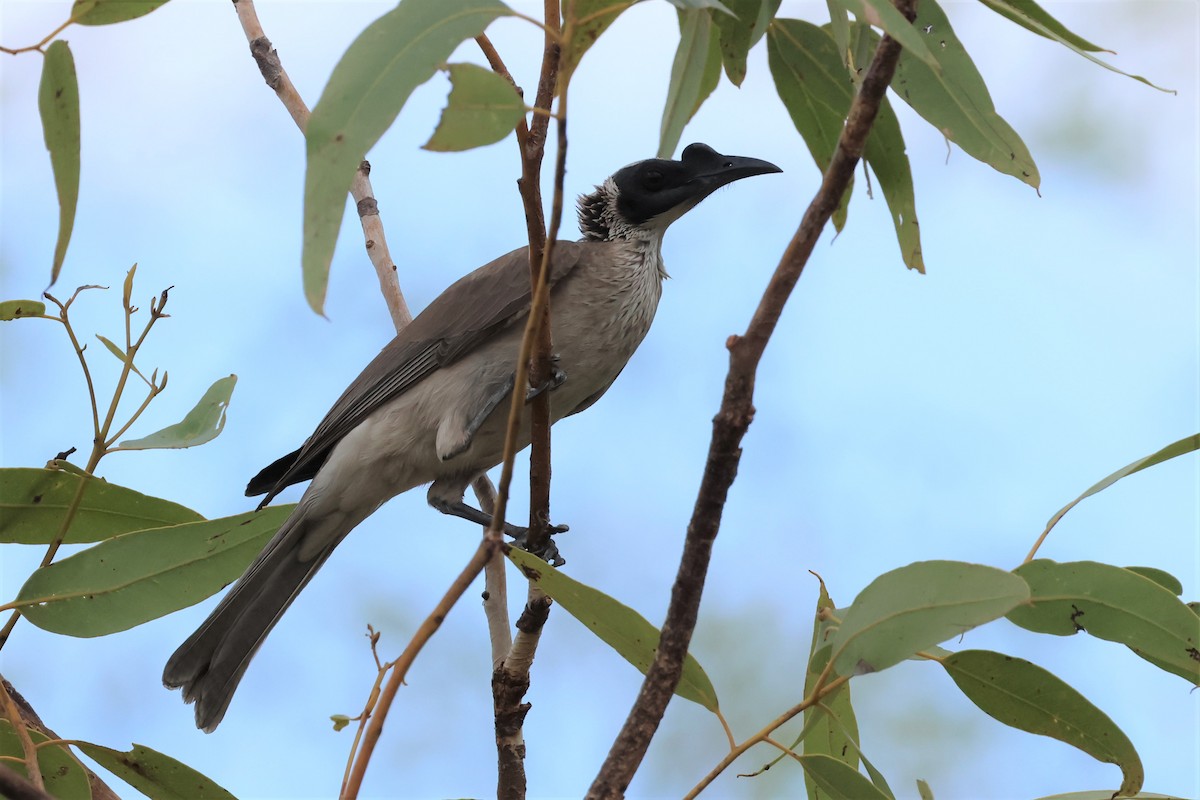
(899,417)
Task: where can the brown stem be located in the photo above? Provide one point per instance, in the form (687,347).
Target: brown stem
(486,549)
(730,426)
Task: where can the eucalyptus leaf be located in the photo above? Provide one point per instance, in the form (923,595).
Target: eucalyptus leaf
(1029,698)
(885,153)
(837,781)
(617,625)
(1033,17)
(63,775)
(694,74)
(955,99)
(140,576)
(1187,444)
(885,15)
(16,309)
(34,504)
(589,19)
(701,5)
(734,36)
(1113,604)
(106,12)
(1029,15)
(830,727)
(1161,577)
(483,108)
(369,86)
(811,81)
(917,606)
(202,424)
(154,774)
(58,103)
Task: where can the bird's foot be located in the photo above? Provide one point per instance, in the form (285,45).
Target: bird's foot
(548,552)
(557,378)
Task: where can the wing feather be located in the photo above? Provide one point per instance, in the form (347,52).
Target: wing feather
(471,311)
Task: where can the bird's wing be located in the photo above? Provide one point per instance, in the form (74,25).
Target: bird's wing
(471,311)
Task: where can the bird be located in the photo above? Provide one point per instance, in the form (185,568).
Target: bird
(432,407)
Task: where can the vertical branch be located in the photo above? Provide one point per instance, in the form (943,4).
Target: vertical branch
(730,426)
(540,252)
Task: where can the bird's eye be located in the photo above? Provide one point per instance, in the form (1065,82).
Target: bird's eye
(653,179)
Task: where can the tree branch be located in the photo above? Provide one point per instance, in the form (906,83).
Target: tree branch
(730,426)
(364,195)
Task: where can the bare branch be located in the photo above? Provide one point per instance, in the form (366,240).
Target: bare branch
(730,426)
(364,195)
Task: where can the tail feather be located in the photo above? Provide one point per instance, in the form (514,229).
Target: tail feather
(210,664)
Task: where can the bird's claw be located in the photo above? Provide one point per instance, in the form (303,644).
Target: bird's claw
(557,378)
(548,552)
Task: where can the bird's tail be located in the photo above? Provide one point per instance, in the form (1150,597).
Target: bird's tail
(209,665)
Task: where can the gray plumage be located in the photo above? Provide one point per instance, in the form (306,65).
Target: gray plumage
(432,406)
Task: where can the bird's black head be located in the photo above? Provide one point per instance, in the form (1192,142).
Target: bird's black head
(650,195)
(658,186)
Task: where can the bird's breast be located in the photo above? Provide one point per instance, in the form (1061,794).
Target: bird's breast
(601,313)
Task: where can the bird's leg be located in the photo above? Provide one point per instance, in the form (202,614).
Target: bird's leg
(517,532)
(556,379)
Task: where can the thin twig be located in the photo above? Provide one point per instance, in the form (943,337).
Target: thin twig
(99,789)
(400,670)
(765,733)
(730,426)
(45,40)
(13,714)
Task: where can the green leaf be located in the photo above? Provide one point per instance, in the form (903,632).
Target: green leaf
(617,625)
(58,103)
(1187,444)
(1031,16)
(154,774)
(700,5)
(735,34)
(885,153)
(112,347)
(1027,697)
(831,727)
(839,28)
(34,502)
(1161,577)
(63,775)
(694,74)
(16,309)
(482,109)
(591,18)
(925,792)
(956,100)
(202,424)
(883,14)
(917,606)
(837,781)
(372,82)
(1113,604)
(1107,794)
(140,576)
(811,81)
(106,12)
